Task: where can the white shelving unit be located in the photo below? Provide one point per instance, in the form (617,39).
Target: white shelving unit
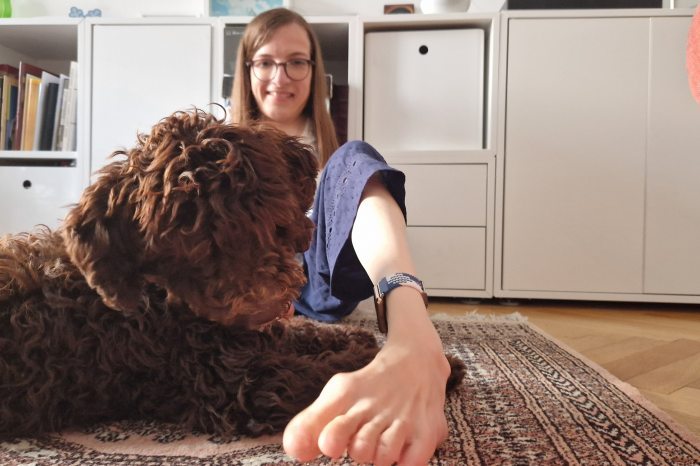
(449,173)
(584,185)
(36,187)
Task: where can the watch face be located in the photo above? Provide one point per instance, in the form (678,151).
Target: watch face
(380,308)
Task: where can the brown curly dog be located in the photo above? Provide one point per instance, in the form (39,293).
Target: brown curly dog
(164,293)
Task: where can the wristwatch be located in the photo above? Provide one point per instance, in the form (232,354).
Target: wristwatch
(387,284)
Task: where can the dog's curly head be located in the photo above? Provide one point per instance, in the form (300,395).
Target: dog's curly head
(212,213)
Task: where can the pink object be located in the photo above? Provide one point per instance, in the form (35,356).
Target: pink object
(693,56)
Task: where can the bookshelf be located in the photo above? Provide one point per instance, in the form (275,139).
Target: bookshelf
(38,185)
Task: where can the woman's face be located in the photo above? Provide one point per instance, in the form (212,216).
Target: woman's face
(282,99)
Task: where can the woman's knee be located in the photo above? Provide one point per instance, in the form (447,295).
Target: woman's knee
(354,152)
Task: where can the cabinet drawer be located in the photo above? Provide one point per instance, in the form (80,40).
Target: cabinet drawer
(446,195)
(449,258)
(36,195)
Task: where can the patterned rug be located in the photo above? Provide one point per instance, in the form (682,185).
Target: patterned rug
(526,401)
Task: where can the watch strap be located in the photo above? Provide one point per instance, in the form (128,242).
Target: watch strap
(385,286)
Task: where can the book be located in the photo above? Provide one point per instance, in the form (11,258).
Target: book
(71,110)
(8,69)
(46,79)
(11,112)
(31,102)
(62,86)
(23,70)
(48,114)
(8,77)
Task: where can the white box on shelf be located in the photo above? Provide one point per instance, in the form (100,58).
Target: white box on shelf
(37,195)
(424,89)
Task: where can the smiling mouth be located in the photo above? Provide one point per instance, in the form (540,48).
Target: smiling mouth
(283,94)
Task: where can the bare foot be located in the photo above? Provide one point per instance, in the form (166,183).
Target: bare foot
(390,411)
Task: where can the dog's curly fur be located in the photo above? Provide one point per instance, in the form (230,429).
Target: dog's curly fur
(150,300)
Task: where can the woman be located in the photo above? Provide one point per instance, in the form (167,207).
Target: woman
(393,409)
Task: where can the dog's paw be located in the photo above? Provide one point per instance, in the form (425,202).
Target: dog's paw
(361,337)
(457,371)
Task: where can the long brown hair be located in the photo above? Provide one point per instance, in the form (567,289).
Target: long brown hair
(244,109)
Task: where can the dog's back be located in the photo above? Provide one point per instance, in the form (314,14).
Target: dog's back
(28,260)
(48,348)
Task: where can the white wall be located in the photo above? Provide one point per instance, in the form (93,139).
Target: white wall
(136,8)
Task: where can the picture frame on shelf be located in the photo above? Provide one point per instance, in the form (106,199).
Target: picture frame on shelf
(242,7)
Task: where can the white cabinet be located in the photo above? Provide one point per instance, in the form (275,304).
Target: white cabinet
(574,155)
(672,235)
(140,73)
(600,193)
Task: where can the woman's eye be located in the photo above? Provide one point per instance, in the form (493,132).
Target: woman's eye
(264,63)
(297,62)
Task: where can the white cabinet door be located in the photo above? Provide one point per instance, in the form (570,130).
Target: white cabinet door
(142,73)
(672,262)
(576,116)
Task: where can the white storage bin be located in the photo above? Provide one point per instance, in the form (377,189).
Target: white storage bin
(424,89)
(36,195)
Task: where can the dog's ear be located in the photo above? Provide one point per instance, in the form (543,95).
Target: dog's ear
(102,241)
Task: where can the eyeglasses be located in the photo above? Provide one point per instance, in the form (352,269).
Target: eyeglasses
(265,69)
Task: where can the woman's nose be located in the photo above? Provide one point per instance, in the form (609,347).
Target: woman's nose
(281,75)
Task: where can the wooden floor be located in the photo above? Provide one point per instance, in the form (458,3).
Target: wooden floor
(655,348)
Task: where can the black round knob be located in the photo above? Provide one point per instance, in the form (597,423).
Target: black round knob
(423,49)
(27,184)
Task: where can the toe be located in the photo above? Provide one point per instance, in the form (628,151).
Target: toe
(301,436)
(336,436)
(363,445)
(298,440)
(391,444)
